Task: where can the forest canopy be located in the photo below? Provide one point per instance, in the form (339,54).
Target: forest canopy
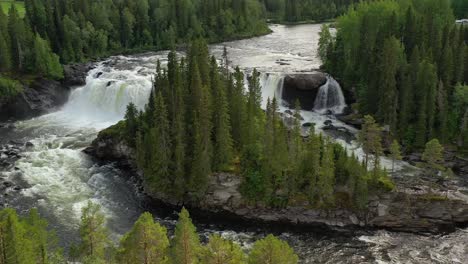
(412,59)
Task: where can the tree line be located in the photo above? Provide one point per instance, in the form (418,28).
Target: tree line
(190,130)
(306,10)
(55,32)
(29,240)
(407,63)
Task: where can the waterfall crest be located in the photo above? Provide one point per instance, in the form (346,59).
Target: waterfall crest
(330,98)
(272,87)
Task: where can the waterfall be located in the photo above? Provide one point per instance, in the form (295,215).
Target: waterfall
(330,98)
(272,87)
(107,93)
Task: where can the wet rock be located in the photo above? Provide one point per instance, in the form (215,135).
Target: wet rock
(308,124)
(97,75)
(39,97)
(29,145)
(339,132)
(75,74)
(7,184)
(303,87)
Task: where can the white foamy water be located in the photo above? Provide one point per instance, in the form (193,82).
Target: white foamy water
(59,179)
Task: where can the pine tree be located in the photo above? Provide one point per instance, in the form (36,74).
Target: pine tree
(272,251)
(395,153)
(433,154)
(93,233)
(186,248)
(145,243)
(221,251)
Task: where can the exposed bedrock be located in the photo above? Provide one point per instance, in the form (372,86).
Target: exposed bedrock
(42,96)
(303,87)
(420,209)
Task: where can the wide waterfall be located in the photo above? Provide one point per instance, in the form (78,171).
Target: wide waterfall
(330,98)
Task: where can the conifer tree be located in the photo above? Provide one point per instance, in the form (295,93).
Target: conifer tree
(93,233)
(46,62)
(395,153)
(237,108)
(326,180)
(272,251)
(223,149)
(370,138)
(221,251)
(145,243)
(186,248)
(161,147)
(433,154)
(311,165)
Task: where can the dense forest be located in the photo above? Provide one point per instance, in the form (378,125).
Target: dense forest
(294,11)
(62,31)
(190,130)
(460,8)
(407,63)
(29,240)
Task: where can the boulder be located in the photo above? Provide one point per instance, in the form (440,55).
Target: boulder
(303,87)
(75,74)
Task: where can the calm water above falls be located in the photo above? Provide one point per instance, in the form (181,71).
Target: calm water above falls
(59,179)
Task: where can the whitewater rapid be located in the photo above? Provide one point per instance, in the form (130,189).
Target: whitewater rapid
(59,179)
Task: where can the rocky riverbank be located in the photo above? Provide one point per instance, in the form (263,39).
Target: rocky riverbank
(41,96)
(422,207)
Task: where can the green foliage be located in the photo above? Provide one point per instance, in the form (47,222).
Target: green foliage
(433,154)
(146,243)
(400,58)
(26,240)
(9,88)
(185,247)
(294,11)
(6,4)
(190,131)
(272,250)
(94,234)
(222,251)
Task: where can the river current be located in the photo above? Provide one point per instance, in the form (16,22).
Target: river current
(59,179)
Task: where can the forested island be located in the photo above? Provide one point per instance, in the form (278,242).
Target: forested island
(204,140)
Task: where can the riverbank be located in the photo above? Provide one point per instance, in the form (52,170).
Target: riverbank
(40,95)
(422,207)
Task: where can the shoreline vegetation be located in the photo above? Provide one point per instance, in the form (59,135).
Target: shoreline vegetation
(29,239)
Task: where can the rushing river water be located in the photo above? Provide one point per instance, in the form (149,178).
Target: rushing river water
(59,179)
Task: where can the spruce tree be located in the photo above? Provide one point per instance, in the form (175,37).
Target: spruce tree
(223,144)
(326,179)
(161,147)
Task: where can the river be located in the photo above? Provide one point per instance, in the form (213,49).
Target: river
(56,177)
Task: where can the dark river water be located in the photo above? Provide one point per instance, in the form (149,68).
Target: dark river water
(59,179)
